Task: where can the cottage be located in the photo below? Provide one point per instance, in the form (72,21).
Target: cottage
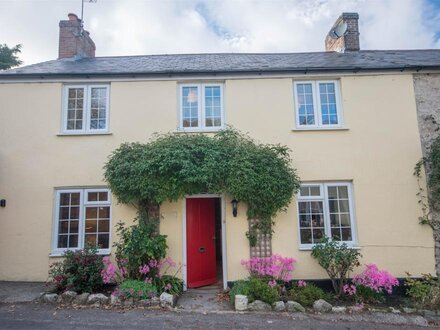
(350,117)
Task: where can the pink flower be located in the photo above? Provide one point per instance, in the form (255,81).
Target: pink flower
(375,279)
(349,289)
(108,274)
(272,283)
(144,269)
(302,283)
(275,266)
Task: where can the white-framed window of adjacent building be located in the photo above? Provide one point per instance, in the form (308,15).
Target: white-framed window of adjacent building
(201,107)
(326,209)
(86,109)
(317,104)
(82,217)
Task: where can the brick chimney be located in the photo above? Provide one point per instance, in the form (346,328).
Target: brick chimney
(74,40)
(347,41)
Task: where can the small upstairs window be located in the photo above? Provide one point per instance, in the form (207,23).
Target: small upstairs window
(86,109)
(317,104)
(201,107)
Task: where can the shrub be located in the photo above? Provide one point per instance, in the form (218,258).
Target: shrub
(275,267)
(170,284)
(306,295)
(260,290)
(372,284)
(139,245)
(337,259)
(424,292)
(375,279)
(135,289)
(240,287)
(80,271)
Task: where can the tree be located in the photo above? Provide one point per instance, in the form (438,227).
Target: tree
(8,56)
(171,166)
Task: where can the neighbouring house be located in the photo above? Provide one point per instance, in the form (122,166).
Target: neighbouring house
(350,117)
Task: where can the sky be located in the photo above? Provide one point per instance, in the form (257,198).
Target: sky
(141,27)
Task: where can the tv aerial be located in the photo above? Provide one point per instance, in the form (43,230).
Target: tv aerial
(338,31)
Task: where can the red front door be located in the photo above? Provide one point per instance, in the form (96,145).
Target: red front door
(200,242)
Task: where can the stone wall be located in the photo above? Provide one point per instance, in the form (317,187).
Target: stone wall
(427,92)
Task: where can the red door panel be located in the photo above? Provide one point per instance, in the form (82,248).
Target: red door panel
(200,242)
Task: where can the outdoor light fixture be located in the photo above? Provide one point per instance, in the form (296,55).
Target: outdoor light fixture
(2,202)
(234,207)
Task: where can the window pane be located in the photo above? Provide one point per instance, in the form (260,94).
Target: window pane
(328,103)
(190,106)
(311,221)
(63,227)
(305,106)
(68,217)
(103,241)
(98,108)
(306,237)
(91,226)
(92,196)
(212,106)
(103,196)
(75,108)
(339,213)
(90,239)
(104,226)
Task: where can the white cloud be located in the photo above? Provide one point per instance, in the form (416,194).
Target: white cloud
(130,27)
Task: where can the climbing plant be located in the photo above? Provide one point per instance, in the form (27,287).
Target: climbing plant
(170,166)
(430,200)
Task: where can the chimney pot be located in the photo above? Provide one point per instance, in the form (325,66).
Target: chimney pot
(349,41)
(73,17)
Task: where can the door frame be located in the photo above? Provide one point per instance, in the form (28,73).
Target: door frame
(184,246)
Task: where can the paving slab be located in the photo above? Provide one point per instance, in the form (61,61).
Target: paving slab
(17,292)
(204,299)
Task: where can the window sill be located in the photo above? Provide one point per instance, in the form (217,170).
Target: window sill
(84,134)
(310,248)
(61,254)
(310,129)
(199,130)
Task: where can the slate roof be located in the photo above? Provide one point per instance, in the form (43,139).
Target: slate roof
(233,63)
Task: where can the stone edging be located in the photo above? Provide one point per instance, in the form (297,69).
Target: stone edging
(99,299)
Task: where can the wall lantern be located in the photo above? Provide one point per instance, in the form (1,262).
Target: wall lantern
(2,202)
(234,207)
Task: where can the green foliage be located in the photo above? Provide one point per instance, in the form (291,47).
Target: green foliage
(367,295)
(174,165)
(136,289)
(260,290)
(170,284)
(138,245)
(8,56)
(423,292)
(307,295)
(431,199)
(240,287)
(337,259)
(80,271)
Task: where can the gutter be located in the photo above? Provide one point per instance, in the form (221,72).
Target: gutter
(170,74)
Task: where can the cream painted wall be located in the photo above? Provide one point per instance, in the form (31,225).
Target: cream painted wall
(377,153)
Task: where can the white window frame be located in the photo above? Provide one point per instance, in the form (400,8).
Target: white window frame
(86,109)
(324,199)
(201,108)
(81,225)
(317,105)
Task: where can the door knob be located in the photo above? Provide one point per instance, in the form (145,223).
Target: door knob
(202,249)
